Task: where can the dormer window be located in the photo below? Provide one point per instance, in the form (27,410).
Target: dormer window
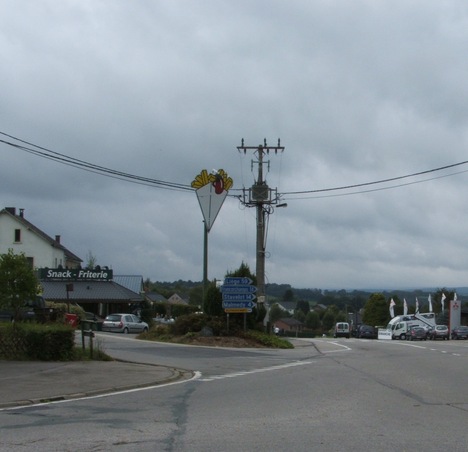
(17,235)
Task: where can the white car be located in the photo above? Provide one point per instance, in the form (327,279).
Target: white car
(124,323)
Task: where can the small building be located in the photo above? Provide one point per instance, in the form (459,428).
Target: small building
(99,297)
(289,324)
(62,278)
(40,249)
(288,306)
(177,299)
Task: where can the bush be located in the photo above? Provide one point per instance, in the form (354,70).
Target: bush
(268,340)
(53,342)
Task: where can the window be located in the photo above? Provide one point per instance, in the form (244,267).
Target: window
(17,235)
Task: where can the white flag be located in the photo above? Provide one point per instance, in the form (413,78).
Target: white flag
(416,311)
(392,305)
(454,296)
(405,307)
(430,302)
(442,301)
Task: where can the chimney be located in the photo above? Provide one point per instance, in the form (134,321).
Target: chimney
(11,210)
(57,239)
(21,213)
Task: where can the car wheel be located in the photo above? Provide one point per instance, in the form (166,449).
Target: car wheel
(125,331)
(403,337)
(145,330)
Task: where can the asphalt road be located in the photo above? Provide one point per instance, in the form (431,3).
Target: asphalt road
(328,395)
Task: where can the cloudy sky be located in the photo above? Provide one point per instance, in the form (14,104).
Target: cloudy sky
(358,91)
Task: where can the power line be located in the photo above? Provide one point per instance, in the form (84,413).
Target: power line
(108,172)
(347,187)
(82,164)
(372,189)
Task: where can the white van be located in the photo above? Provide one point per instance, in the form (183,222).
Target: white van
(401,324)
(342,330)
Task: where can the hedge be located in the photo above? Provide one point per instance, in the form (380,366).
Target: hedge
(31,341)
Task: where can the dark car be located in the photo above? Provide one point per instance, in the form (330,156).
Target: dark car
(366,331)
(439,332)
(416,333)
(460,332)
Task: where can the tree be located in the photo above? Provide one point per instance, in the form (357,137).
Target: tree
(91,260)
(299,315)
(18,283)
(312,321)
(244,271)
(376,310)
(213,301)
(328,320)
(288,295)
(196,295)
(276,313)
(303,306)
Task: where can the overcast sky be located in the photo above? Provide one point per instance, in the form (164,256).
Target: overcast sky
(358,91)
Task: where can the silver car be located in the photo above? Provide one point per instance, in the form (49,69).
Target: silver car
(124,323)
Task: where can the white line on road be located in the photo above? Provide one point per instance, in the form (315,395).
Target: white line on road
(100,396)
(255,371)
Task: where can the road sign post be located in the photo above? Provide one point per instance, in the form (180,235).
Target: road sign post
(238,295)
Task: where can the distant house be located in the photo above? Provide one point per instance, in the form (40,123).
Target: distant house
(289,325)
(177,299)
(154,297)
(40,249)
(288,306)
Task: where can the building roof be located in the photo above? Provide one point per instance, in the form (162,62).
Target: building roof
(11,211)
(131,282)
(99,291)
(156,297)
(287,305)
(290,321)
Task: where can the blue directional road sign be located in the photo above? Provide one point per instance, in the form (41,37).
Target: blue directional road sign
(238,288)
(238,296)
(237,280)
(238,304)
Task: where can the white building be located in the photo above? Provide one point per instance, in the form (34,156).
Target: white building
(41,250)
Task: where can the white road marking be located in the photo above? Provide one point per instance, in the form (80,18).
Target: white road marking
(255,371)
(100,396)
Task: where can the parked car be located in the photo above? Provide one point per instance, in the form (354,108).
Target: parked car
(124,323)
(460,332)
(439,332)
(416,333)
(366,331)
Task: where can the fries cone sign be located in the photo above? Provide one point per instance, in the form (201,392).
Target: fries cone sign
(211,190)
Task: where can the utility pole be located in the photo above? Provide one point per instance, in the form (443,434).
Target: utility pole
(263,198)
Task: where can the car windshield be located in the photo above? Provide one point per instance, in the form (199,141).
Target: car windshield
(113,318)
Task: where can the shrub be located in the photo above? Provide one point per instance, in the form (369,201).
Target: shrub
(52,342)
(268,339)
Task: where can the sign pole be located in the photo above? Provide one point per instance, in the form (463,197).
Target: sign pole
(211,190)
(205,264)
